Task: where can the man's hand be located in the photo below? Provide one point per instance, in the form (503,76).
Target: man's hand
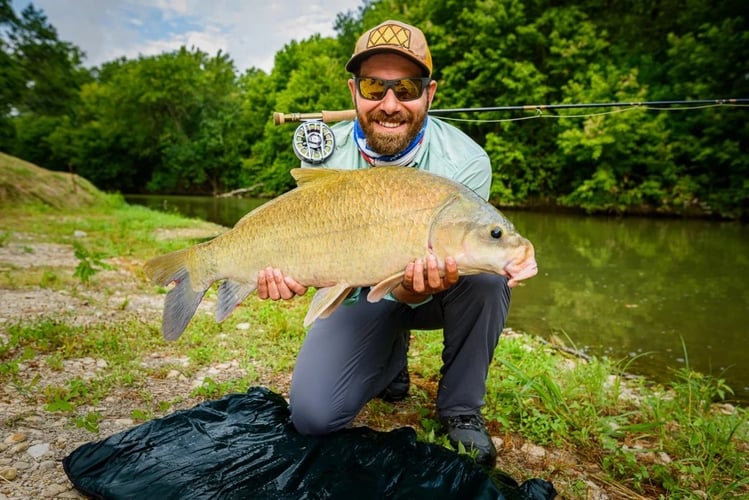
(272,284)
(422,280)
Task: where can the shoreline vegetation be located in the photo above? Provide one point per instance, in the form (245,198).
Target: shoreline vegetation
(186,121)
(80,347)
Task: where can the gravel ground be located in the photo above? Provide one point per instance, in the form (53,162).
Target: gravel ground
(33,441)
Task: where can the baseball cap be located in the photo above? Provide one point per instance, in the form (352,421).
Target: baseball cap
(396,37)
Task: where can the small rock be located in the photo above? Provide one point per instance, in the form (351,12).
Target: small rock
(79,234)
(48,465)
(9,473)
(21,465)
(243,326)
(533,450)
(38,450)
(16,437)
(54,490)
(499,443)
(19,447)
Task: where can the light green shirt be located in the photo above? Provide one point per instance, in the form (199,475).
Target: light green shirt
(445,151)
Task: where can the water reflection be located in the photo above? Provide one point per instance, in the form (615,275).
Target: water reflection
(623,287)
(619,287)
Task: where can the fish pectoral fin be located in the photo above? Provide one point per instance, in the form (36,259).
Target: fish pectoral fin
(230,294)
(384,287)
(325,301)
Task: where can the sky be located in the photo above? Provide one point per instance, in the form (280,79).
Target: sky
(250,31)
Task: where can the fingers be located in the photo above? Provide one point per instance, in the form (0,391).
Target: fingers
(417,284)
(272,284)
(294,286)
(451,272)
(433,273)
(425,276)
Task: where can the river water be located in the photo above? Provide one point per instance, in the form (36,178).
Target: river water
(661,293)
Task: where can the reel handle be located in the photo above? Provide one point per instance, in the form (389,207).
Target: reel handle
(325,116)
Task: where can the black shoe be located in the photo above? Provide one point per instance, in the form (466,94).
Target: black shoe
(471,431)
(397,390)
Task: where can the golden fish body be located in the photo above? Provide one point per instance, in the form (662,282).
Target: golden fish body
(342,229)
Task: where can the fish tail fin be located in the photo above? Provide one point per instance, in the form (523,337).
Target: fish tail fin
(182,301)
(164,269)
(180,306)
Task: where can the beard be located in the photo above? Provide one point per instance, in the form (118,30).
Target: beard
(390,144)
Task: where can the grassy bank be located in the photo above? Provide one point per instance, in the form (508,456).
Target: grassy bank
(580,423)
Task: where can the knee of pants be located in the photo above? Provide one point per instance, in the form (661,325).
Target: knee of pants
(316,418)
(489,287)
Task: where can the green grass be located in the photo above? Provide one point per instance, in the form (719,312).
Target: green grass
(668,440)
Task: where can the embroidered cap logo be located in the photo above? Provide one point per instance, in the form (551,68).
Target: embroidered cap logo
(390,34)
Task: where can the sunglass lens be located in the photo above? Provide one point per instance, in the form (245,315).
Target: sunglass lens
(407,89)
(372,88)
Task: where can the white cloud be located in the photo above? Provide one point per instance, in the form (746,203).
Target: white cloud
(250,31)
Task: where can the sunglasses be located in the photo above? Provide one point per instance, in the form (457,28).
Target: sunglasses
(405,89)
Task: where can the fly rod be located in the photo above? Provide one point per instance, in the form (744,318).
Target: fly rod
(350,114)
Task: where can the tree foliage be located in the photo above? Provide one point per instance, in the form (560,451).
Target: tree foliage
(187,121)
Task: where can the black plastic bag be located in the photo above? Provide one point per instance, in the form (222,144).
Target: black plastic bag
(244,446)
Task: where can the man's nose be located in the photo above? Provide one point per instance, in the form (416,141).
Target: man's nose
(390,103)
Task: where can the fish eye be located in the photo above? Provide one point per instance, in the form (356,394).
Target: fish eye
(496,233)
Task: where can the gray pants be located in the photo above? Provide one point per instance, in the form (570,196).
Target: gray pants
(351,356)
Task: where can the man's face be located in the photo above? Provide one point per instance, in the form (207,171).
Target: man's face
(389,124)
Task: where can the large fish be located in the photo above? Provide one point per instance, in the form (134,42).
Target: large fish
(342,229)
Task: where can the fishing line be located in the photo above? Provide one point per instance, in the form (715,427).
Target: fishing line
(541,114)
(314,142)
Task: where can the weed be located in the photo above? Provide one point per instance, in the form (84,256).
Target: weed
(89,421)
(140,415)
(88,263)
(210,389)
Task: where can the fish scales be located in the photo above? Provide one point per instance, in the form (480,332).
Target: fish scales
(337,230)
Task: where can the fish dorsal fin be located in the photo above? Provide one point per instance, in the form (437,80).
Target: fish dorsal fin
(384,287)
(308,175)
(325,301)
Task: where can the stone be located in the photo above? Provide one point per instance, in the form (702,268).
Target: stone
(9,473)
(16,437)
(38,450)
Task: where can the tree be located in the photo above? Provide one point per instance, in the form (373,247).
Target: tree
(44,76)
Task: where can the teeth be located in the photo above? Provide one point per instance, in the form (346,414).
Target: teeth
(389,124)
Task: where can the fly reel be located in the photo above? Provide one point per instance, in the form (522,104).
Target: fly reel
(313,142)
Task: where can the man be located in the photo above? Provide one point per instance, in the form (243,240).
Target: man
(359,351)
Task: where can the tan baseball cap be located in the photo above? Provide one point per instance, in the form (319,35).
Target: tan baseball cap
(392,36)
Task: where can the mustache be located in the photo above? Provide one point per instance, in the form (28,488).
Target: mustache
(381,116)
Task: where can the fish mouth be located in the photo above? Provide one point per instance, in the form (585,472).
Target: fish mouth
(521,268)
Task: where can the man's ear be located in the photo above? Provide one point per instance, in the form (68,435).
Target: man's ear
(431,91)
(352,89)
